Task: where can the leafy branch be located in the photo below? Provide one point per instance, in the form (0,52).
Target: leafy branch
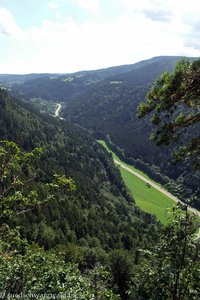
(16,195)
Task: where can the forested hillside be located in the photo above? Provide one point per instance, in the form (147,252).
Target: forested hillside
(10,79)
(60,87)
(90,235)
(101,204)
(109,111)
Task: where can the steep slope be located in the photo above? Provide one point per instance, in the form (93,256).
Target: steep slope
(108,110)
(100,212)
(110,106)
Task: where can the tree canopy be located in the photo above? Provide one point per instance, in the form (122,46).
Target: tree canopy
(171,270)
(27,270)
(174,102)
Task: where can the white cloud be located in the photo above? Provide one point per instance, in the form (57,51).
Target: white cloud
(90,5)
(67,45)
(158,15)
(8,27)
(192,37)
(181,18)
(53,5)
(135,6)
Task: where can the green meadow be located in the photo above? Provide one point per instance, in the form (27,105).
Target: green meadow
(148,199)
(130,166)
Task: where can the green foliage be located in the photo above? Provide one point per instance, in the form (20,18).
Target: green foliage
(122,270)
(99,276)
(61,181)
(26,269)
(171,270)
(175,96)
(15,198)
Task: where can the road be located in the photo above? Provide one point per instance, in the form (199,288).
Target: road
(156,186)
(58,109)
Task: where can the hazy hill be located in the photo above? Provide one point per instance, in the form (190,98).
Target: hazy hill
(8,80)
(66,87)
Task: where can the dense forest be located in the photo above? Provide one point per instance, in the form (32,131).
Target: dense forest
(99,216)
(69,228)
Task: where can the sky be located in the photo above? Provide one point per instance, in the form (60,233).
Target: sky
(64,36)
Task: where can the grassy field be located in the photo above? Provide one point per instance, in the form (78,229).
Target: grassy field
(148,199)
(130,166)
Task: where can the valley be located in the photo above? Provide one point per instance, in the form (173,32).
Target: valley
(85,193)
(109,111)
(148,194)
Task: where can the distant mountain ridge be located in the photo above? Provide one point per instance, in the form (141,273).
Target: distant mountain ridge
(102,73)
(10,79)
(66,87)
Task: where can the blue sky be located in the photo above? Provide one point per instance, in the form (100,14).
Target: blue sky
(64,36)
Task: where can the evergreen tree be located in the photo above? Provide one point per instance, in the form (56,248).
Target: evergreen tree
(174,101)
